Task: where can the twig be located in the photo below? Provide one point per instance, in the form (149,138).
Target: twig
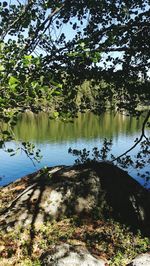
(48,20)
(25,151)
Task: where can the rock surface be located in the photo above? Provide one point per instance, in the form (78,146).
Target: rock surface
(102,188)
(67,255)
(141,260)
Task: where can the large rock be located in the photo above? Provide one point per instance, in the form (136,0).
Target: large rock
(102,189)
(141,260)
(66,255)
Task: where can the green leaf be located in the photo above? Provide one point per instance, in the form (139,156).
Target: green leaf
(55,114)
(82,44)
(27,60)
(5,132)
(28,57)
(2,68)
(5,4)
(10,150)
(13,82)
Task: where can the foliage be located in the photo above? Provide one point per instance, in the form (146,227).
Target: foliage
(38,58)
(97,155)
(138,161)
(39,61)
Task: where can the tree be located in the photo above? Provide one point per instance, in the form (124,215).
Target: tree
(109,41)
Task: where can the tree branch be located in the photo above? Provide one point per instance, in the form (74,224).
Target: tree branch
(42,28)
(24,12)
(138,141)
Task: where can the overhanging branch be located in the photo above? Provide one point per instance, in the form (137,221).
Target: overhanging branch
(13,24)
(138,141)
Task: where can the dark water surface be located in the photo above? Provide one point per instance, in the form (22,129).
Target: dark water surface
(54,138)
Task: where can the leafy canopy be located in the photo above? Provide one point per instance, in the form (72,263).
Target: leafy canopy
(49,48)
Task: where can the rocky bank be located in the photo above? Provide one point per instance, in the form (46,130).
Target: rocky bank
(101,189)
(89,192)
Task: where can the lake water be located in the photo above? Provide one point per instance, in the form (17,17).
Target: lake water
(54,138)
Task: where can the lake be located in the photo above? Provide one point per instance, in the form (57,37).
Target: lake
(54,138)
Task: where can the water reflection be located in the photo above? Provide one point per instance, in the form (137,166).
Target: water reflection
(55,137)
(40,128)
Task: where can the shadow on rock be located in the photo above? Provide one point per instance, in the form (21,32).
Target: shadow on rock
(99,189)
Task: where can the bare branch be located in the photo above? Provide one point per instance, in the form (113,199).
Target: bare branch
(25,151)
(138,141)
